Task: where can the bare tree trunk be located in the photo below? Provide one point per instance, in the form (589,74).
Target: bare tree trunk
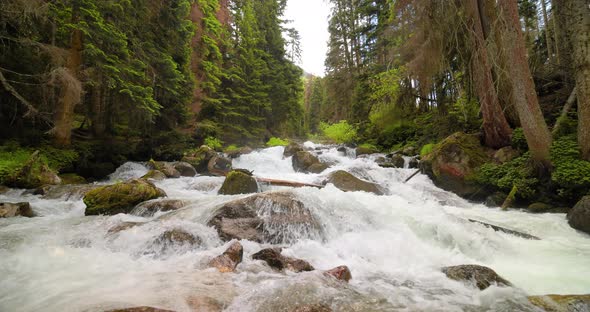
(580,27)
(523,88)
(566,108)
(547,30)
(496,129)
(70,93)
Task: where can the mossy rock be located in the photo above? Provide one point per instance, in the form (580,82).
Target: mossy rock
(562,303)
(483,277)
(200,158)
(71,178)
(32,174)
(453,162)
(120,197)
(539,207)
(365,150)
(238,182)
(155,175)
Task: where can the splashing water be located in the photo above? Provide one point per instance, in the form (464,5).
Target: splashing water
(394,245)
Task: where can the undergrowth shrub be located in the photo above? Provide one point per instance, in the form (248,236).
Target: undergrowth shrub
(276,142)
(341,132)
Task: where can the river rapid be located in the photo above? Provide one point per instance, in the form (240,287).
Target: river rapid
(394,245)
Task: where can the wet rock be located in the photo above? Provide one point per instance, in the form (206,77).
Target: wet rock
(121,197)
(219,166)
(170,172)
(505,154)
(562,303)
(156,175)
(341,273)
(66,191)
(3,189)
(123,226)
(9,210)
(229,259)
(496,199)
(204,304)
(414,163)
(185,169)
(273,257)
(505,230)
(71,178)
(540,207)
(303,160)
(239,152)
(177,236)
(365,150)
(238,182)
(292,149)
(272,217)
(398,161)
(313,308)
(200,158)
(349,183)
(149,208)
(579,216)
(140,309)
(483,277)
(318,168)
(409,151)
(453,161)
(33,174)
(341,149)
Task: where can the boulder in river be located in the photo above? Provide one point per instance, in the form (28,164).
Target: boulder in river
(238,182)
(414,163)
(349,183)
(292,148)
(341,273)
(273,257)
(121,197)
(483,277)
(303,160)
(204,304)
(33,174)
(453,162)
(229,259)
(185,169)
(579,216)
(219,166)
(318,167)
(365,150)
(123,226)
(562,303)
(9,210)
(153,174)
(149,208)
(166,168)
(173,241)
(200,158)
(270,217)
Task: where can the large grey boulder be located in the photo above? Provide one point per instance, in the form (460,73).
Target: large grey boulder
(579,216)
(483,277)
(349,183)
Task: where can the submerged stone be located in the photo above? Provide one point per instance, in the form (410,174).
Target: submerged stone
(483,277)
(349,183)
(341,273)
(562,303)
(273,257)
(229,259)
(149,208)
(9,210)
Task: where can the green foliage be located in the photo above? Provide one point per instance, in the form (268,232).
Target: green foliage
(517,173)
(231,148)
(340,132)
(426,149)
(464,115)
(571,173)
(13,158)
(214,143)
(276,142)
(519,140)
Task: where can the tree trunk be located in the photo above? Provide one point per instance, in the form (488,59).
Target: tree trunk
(580,27)
(523,88)
(98,111)
(70,93)
(547,31)
(496,129)
(562,40)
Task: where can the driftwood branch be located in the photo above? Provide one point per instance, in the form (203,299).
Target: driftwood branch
(566,108)
(31,110)
(413,175)
(505,230)
(286,183)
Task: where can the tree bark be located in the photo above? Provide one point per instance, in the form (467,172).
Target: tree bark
(98,111)
(547,30)
(580,27)
(566,108)
(69,97)
(523,88)
(496,129)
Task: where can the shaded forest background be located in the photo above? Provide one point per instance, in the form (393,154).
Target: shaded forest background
(101,82)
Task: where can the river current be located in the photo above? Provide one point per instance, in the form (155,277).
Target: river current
(394,245)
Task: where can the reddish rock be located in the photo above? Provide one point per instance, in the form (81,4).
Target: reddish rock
(140,309)
(273,257)
(342,273)
(229,259)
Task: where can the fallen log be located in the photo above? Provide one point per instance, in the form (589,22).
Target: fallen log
(286,183)
(413,175)
(505,230)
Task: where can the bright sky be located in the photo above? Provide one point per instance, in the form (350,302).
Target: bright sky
(310,18)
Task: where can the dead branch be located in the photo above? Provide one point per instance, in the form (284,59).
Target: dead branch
(286,183)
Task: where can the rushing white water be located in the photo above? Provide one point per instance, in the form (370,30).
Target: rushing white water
(394,246)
